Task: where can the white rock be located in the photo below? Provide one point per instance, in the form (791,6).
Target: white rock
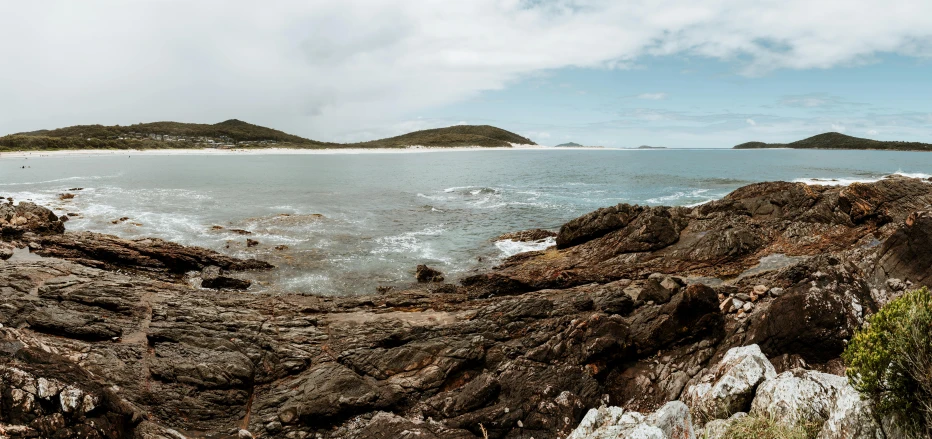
(729,387)
(798,397)
(48,388)
(672,421)
(776,291)
(595,419)
(851,418)
(71,398)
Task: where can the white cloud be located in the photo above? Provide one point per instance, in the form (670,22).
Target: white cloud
(838,127)
(652,96)
(348,69)
(816,100)
(750,122)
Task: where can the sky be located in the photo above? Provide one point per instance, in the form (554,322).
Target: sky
(698,73)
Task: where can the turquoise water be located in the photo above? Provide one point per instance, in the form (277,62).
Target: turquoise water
(382,214)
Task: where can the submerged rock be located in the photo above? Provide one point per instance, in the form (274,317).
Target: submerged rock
(425,274)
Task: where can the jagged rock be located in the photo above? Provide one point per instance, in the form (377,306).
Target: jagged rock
(28,217)
(729,387)
(524,350)
(212,277)
(672,421)
(799,397)
(426,274)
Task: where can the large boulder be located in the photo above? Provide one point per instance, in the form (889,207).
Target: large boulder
(672,421)
(799,397)
(729,387)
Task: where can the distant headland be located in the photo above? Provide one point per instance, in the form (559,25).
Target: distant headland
(238,134)
(840,141)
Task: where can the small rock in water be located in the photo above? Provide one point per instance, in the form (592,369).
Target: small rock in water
(425,274)
(251,242)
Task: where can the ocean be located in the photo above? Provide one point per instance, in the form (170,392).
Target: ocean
(344,224)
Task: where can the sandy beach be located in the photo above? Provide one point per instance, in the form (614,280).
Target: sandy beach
(278,151)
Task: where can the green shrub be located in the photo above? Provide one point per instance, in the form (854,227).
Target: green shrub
(890,360)
(759,427)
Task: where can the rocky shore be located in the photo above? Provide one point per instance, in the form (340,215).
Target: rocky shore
(629,324)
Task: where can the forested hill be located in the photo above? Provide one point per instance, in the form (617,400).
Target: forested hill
(840,141)
(238,134)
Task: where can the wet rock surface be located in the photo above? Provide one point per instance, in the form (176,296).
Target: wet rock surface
(527,235)
(627,312)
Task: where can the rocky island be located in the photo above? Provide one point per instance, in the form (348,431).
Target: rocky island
(840,141)
(666,322)
(238,134)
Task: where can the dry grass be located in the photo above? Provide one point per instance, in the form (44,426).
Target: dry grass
(757,427)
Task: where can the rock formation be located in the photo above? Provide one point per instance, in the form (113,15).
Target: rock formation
(635,307)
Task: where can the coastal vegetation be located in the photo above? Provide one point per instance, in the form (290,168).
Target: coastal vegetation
(889,360)
(235,133)
(840,141)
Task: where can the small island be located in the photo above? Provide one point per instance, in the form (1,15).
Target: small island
(570,145)
(835,140)
(238,134)
(651,147)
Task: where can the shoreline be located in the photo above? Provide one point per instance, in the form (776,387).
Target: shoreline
(283,151)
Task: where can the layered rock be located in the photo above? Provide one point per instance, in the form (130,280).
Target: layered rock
(627,313)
